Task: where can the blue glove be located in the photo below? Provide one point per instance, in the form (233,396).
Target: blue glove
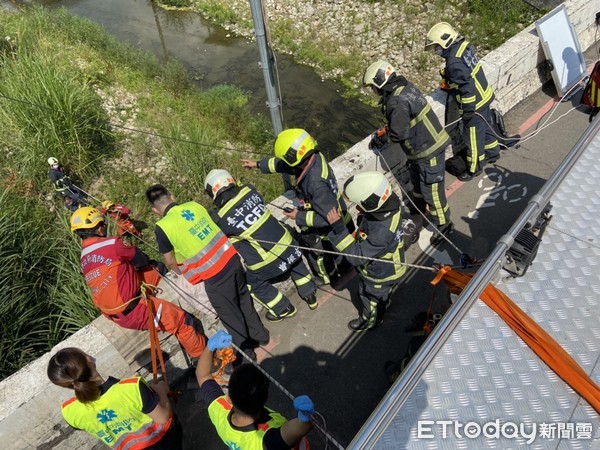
(305,407)
(220,340)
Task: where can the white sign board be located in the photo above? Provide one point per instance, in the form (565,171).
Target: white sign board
(561,47)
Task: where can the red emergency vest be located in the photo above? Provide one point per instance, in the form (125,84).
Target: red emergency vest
(106,266)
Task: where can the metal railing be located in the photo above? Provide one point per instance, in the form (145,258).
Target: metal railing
(391,404)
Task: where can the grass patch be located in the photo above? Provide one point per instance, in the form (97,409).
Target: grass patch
(57,114)
(76,90)
(490,24)
(218,11)
(43,297)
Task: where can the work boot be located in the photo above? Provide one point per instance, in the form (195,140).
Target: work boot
(392,370)
(491,160)
(311,301)
(287,312)
(468,176)
(359,325)
(444,230)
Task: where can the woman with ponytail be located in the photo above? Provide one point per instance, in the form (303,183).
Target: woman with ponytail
(124,414)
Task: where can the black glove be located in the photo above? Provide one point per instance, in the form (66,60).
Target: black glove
(378,140)
(467,116)
(162,269)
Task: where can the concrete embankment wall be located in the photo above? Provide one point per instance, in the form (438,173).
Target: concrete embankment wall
(30,405)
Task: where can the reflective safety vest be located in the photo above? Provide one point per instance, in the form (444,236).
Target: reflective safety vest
(219,410)
(483,94)
(246,220)
(200,246)
(116,418)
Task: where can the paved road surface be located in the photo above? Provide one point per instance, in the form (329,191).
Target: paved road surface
(314,353)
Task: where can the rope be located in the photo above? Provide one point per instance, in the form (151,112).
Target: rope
(330,252)
(321,428)
(136,130)
(405,195)
(537,130)
(155,351)
(184,294)
(318,426)
(574,237)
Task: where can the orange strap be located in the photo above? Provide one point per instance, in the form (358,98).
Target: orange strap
(532,334)
(155,351)
(225,356)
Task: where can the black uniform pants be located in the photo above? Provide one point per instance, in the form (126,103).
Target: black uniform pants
(322,264)
(480,139)
(374,299)
(428,176)
(228,294)
(263,291)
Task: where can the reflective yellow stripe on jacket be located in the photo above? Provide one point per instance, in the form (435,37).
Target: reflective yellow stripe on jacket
(484,93)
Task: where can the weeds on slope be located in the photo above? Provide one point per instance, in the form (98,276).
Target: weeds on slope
(74,92)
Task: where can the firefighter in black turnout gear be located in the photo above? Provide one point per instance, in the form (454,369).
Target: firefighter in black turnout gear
(414,130)
(467,82)
(241,214)
(317,191)
(63,185)
(379,235)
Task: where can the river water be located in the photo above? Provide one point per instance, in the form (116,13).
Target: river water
(214,56)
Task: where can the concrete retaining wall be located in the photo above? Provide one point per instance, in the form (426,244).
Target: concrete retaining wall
(30,405)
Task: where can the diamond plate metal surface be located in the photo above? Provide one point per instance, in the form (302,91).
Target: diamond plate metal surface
(486,372)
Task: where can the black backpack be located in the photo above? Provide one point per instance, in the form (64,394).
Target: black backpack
(504,140)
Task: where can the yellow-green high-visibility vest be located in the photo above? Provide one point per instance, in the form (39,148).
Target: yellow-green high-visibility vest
(200,246)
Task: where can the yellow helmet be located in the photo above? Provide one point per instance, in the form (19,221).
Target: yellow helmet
(294,145)
(216,180)
(378,73)
(107,204)
(86,218)
(369,190)
(442,34)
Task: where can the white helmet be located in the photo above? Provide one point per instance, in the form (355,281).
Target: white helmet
(378,73)
(52,161)
(442,34)
(216,180)
(369,190)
